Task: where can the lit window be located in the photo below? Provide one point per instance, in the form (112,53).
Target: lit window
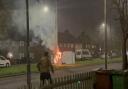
(21,43)
(21,55)
(31,44)
(72,45)
(69,45)
(31,55)
(65,45)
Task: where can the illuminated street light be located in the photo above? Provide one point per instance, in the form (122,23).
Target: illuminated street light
(45,9)
(103,25)
(10,55)
(102,29)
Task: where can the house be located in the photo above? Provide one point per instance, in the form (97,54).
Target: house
(68,42)
(18,50)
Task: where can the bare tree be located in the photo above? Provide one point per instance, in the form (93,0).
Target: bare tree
(122,9)
(84,39)
(5,18)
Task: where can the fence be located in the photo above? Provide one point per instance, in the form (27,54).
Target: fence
(74,81)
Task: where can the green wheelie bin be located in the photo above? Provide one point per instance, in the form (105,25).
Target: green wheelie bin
(120,80)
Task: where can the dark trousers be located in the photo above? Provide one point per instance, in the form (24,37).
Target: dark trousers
(45,76)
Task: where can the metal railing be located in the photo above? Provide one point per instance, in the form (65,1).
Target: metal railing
(73,81)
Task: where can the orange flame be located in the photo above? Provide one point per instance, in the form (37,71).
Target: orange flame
(58,56)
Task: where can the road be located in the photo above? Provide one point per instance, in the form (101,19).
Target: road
(17,81)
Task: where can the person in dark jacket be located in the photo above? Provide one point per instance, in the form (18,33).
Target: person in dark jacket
(45,66)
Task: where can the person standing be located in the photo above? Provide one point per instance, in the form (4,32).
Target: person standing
(45,66)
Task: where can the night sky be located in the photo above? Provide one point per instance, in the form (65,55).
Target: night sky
(80,15)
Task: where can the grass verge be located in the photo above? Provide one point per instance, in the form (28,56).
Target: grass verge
(21,69)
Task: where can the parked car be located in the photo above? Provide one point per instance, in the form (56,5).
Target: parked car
(109,55)
(4,62)
(102,56)
(83,54)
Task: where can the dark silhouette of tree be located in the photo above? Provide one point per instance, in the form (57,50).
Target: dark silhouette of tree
(67,38)
(14,34)
(5,18)
(122,9)
(84,39)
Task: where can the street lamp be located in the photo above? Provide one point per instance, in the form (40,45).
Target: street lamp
(45,9)
(105,28)
(27,47)
(103,25)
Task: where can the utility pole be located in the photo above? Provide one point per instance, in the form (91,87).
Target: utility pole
(27,47)
(105,28)
(56,20)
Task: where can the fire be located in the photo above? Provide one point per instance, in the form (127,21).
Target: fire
(58,56)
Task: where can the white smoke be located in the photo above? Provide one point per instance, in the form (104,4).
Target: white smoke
(42,23)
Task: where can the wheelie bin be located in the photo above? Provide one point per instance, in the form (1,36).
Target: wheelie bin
(120,80)
(103,79)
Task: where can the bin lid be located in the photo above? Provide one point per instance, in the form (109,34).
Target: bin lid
(104,71)
(120,72)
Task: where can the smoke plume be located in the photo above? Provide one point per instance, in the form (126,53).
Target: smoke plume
(42,23)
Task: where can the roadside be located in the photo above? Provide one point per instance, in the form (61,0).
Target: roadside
(21,69)
(16,81)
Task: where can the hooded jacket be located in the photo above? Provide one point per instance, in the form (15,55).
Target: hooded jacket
(44,65)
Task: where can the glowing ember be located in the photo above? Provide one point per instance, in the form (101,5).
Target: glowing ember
(57,58)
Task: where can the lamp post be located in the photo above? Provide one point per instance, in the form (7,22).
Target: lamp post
(105,28)
(56,20)
(27,47)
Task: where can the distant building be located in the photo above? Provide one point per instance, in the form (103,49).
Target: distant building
(18,49)
(67,42)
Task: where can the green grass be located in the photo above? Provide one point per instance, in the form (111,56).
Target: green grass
(20,69)
(12,70)
(98,61)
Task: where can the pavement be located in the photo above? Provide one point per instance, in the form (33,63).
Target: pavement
(16,82)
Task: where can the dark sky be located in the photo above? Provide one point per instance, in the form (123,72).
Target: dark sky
(79,15)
